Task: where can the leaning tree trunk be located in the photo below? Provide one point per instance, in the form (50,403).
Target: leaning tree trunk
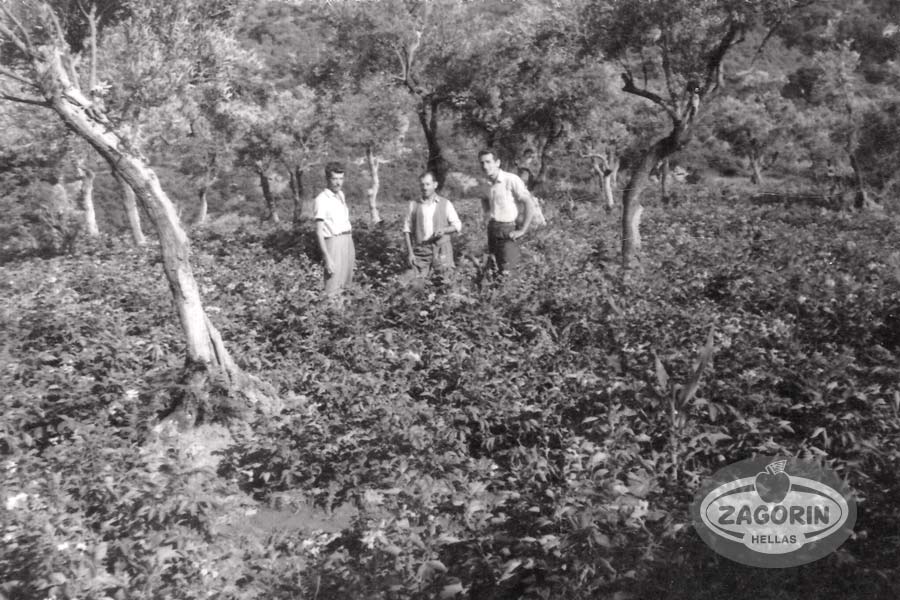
(87,198)
(373,164)
(269,198)
(204,343)
(295,179)
(631,197)
(131,211)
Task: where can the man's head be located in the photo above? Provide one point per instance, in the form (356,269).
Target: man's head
(428,184)
(334,176)
(490,164)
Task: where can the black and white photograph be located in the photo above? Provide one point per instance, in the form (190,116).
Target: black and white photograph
(449,299)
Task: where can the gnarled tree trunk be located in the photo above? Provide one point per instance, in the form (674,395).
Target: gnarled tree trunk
(203,342)
(631,197)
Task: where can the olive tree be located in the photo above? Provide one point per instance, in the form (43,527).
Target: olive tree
(42,70)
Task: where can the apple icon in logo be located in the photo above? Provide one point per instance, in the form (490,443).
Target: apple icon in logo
(773,484)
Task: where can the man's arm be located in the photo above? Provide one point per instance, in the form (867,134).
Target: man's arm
(521,194)
(320,236)
(453,219)
(410,256)
(407,233)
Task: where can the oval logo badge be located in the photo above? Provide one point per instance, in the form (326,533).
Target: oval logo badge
(774,512)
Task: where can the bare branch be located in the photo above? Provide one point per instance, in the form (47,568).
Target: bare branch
(24,44)
(92,28)
(630,88)
(82,9)
(32,101)
(765,40)
(16,77)
(667,67)
(714,63)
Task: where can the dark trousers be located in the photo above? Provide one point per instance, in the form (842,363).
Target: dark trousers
(505,251)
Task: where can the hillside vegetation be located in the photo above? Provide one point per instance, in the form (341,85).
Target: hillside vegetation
(477,440)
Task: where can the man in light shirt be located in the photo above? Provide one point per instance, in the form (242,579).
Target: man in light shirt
(427,228)
(333,231)
(506,190)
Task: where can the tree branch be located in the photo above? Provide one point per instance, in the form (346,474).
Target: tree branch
(667,67)
(714,63)
(24,44)
(32,101)
(16,77)
(92,27)
(630,88)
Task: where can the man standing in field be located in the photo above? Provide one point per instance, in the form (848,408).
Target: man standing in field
(506,189)
(333,231)
(427,228)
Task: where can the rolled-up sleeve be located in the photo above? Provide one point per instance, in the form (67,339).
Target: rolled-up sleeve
(453,218)
(407,220)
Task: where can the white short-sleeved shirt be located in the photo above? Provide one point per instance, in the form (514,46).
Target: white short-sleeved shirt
(504,192)
(428,209)
(331,209)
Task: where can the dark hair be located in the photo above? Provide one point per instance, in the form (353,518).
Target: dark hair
(486,151)
(333,167)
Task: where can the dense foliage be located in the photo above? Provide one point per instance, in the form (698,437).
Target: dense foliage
(493,441)
(537,437)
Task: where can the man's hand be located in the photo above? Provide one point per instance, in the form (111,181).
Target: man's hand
(516,234)
(411,259)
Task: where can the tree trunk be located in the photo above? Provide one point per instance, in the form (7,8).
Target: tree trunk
(428,116)
(295,178)
(131,211)
(373,164)
(664,180)
(631,197)
(608,189)
(269,198)
(203,213)
(862,196)
(553,136)
(60,201)
(87,198)
(203,341)
(756,176)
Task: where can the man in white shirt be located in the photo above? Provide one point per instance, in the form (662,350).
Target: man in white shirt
(333,231)
(427,228)
(506,189)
